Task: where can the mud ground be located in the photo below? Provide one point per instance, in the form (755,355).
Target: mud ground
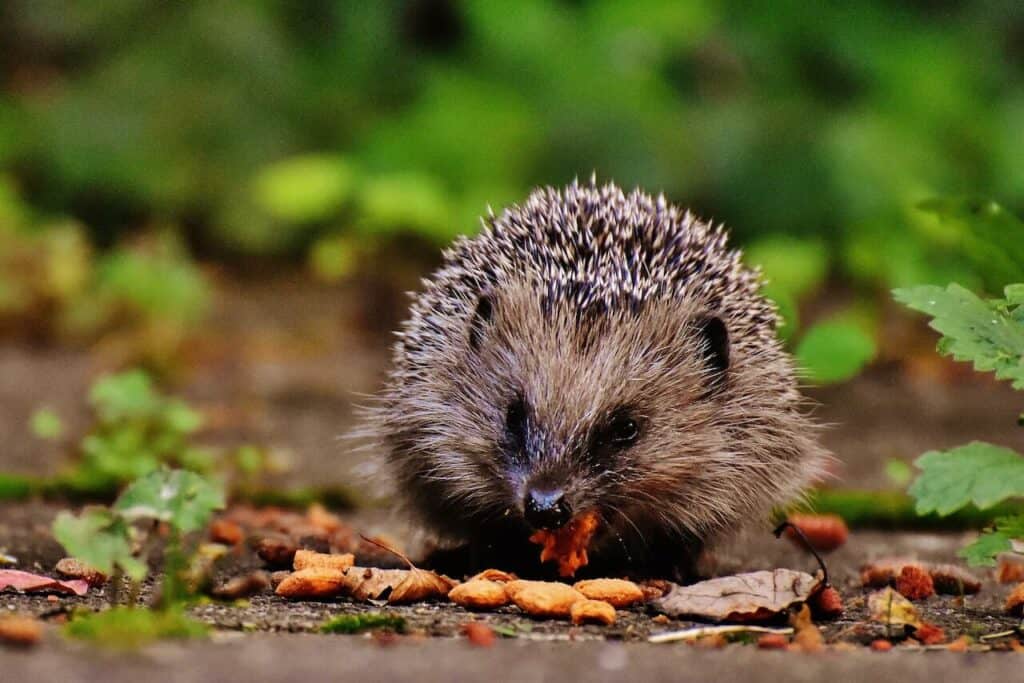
(284,363)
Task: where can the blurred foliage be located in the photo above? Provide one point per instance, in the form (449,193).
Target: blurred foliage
(326,128)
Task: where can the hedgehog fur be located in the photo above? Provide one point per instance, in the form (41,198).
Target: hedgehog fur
(608,347)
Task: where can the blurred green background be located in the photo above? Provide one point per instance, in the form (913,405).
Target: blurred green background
(137,136)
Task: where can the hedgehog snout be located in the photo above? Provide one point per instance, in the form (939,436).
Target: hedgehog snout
(546,508)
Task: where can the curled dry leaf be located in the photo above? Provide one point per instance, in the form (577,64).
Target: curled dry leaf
(616,592)
(419,585)
(892,609)
(368,583)
(72,568)
(592,612)
(481,594)
(28,582)
(546,599)
(315,582)
(308,559)
(824,533)
(568,545)
(756,596)
(20,630)
(914,583)
(1015,601)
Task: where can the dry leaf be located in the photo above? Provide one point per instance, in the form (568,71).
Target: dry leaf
(949,579)
(308,559)
(616,592)
(28,582)
(756,596)
(592,612)
(367,583)
(892,609)
(568,545)
(419,585)
(315,582)
(479,594)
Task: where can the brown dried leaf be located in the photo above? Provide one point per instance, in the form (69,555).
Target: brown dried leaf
(756,596)
(28,582)
(419,585)
(892,609)
(369,583)
(73,568)
(479,594)
(949,579)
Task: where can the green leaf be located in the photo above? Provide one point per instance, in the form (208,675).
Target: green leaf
(978,473)
(184,499)
(986,333)
(997,540)
(305,188)
(47,424)
(123,395)
(100,539)
(835,351)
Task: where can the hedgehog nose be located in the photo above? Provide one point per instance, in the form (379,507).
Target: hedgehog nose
(546,509)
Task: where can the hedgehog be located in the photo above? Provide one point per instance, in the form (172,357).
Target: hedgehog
(592,350)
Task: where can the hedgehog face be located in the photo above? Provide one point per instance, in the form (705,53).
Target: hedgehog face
(568,411)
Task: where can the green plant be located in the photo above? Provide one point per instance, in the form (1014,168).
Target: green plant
(126,628)
(119,540)
(356,623)
(989,334)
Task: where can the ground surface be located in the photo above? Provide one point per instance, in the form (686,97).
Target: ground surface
(281,366)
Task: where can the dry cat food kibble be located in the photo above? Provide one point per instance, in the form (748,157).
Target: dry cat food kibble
(592,612)
(314,582)
(914,583)
(824,533)
(616,592)
(307,559)
(479,594)
(545,599)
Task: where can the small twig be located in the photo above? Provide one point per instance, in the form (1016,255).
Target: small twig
(700,632)
(1001,634)
(384,546)
(799,532)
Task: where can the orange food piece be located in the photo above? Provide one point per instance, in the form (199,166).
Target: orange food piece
(73,568)
(546,598)
(19,630)
(479,594)
(592,612)
(313,582)
(616,592)
(881,645)
(827,603)
(773,641)
(495,575)
(1010,571)
(930,634)
(226,531)
(479,634)
(568,545)
(914,583)
(824,533)
(309,559)
(1015,601)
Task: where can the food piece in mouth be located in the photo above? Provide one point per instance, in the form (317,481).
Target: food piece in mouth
(568,545)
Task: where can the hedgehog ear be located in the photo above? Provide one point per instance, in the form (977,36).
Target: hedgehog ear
(714,336)
(482,316)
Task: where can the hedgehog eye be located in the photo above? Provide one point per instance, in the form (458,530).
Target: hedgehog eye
(623,430)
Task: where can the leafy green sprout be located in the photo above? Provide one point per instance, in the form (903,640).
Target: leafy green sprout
(118,540)
(990,334)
